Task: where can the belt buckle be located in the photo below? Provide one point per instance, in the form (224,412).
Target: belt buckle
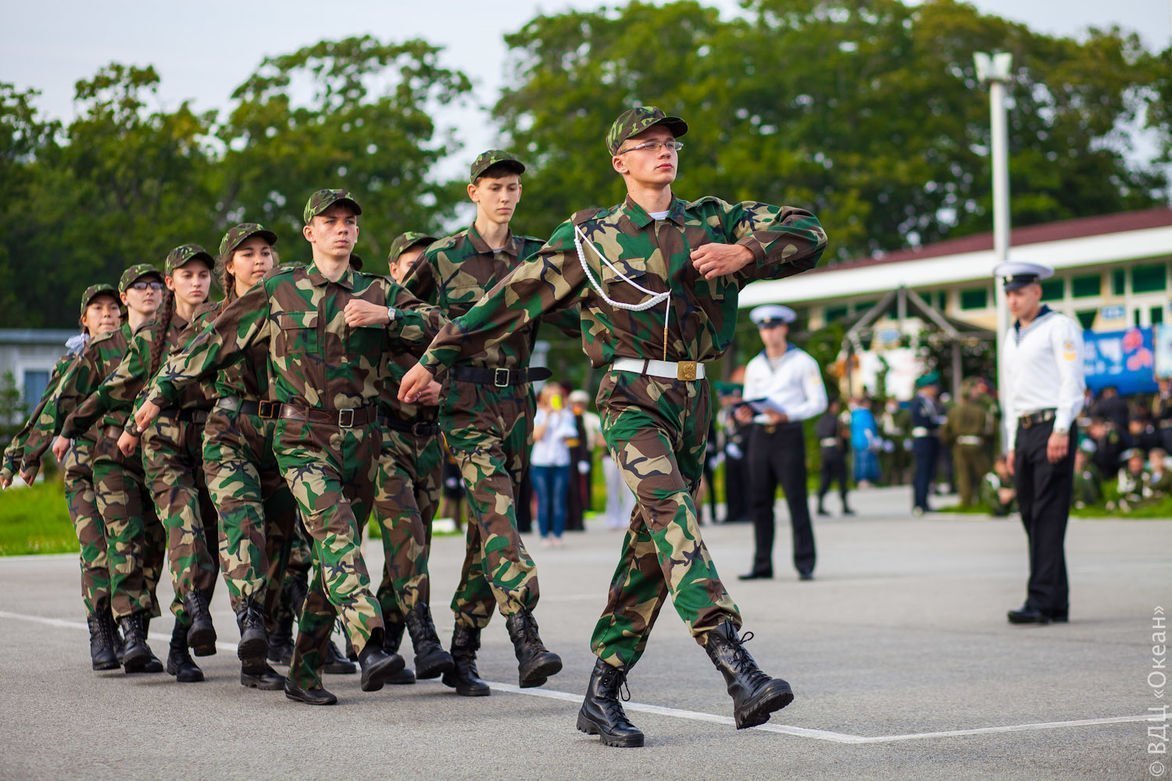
(267,410)
(686,371)
(346,418)
(420,428)
(497,374)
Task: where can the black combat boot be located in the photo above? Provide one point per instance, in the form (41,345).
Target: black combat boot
(256,674)
(102,656)
(179,661)
(464,677)
(106,617)
(392,639)
(202,634)
(535,663)
(318,696)
(254,643)
(137,652)
(377,665)
(755,695)
(336,664)
(431,660)
(602,714)
(154,664)
(293,592)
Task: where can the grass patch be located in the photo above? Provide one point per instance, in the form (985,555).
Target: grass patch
(36,520)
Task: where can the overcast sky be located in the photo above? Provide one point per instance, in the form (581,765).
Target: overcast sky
(203,50)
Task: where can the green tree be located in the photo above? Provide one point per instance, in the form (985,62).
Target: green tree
(354,113)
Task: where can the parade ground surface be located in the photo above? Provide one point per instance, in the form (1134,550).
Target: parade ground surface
(899,654)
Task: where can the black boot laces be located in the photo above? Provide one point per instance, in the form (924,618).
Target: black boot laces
(615,682)
(743,661)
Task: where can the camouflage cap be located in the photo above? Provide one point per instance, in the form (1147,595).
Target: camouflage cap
(138,270)
(634,121)
(184,254)
(93,291)
(238,234)
(324,199)
(405,241)
(486,160)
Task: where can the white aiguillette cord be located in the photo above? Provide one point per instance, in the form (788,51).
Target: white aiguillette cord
(579,240)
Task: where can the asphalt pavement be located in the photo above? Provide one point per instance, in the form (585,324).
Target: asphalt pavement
(899,654)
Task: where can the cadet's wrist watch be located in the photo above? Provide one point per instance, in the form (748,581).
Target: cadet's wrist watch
(390,315)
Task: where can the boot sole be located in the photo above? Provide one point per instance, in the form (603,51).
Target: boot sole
(136,663)
(330,701)
(541,673)
(758,711)
(104,666)
(465,691)
(256,682)
(615,741)
(337,669)
(188,677)
(255,648)
(201,637)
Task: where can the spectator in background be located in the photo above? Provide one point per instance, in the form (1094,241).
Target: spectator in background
(997,491)
(864,442)
(1088,480)
(736,443)
(553,427)
(1109,445)
(1158,478)
(1112,407)
(1141,431)
(620,501)
(1162,412)
(582,447)
(1130,482)
(894,426)
(452,492)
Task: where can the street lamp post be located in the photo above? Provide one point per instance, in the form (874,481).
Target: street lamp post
(994,69)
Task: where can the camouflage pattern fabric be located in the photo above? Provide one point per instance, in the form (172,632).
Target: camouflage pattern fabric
(87,523)
(634,121)
(494,157)
(135,539)
(41,414)
(324,199)
(656,430)
(317,362)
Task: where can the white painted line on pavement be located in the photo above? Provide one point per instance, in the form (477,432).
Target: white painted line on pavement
(711,718)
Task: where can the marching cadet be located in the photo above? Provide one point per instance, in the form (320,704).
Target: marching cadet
(927,417)
(101,315)
(406,497)
(967,431)
(1042,393)
(133,535)
(325,367)
(657,279)
(783,387)
(486,415)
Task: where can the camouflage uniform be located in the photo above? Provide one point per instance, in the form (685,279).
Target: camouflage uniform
(326,376)
(655,428)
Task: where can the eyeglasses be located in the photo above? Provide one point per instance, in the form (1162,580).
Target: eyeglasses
(141,285)
(654,146)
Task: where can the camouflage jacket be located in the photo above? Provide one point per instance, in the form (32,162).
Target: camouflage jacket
(295,315)
(654,254)
(458,271)
(114,399)
(43,412)
(246,379)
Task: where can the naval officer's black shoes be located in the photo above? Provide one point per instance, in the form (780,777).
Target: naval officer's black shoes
(602,714)
(757,574)
(318,696)
(1028,615)
(431,660)
(535,662)
(256,674)
(377,665)
(755,695)
(464,677)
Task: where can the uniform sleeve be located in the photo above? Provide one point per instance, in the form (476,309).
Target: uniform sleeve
(43,424)
(1005,394)
(220,344)
(420,281)
(117,391)
(784,240)
(549,281)
(416,321)
(813,390)
(1066,342)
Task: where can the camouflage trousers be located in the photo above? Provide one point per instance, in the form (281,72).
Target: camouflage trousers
(406,497)
(172,456)
(256,510)
(656,431)
(135,540)
(487,430)
(87,522)
(331,472)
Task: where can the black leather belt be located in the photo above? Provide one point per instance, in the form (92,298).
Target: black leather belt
(418,428)
(266,410)
(1036,418)
(191,415)
(500,378)
(342,418)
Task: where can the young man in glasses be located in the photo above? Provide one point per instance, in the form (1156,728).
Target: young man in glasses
(657,280)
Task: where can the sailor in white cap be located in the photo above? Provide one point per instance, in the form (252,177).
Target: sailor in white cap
(1042,392)
(783,387)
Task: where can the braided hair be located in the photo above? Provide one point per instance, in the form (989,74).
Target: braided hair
(159,328)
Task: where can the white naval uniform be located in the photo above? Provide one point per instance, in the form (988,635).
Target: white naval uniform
(1042,369)
(791,382)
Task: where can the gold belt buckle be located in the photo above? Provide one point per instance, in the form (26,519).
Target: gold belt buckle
(686,371)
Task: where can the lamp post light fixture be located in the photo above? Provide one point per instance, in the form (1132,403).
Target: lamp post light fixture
(994,70)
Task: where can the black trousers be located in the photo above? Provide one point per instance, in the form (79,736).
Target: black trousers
(833,470)
(779,458)
(926,451)
(1044,493)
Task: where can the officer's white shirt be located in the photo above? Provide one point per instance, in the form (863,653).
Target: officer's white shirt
(1042,368)
(792,382)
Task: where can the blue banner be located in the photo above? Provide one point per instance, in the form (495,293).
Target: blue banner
(1125,359)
